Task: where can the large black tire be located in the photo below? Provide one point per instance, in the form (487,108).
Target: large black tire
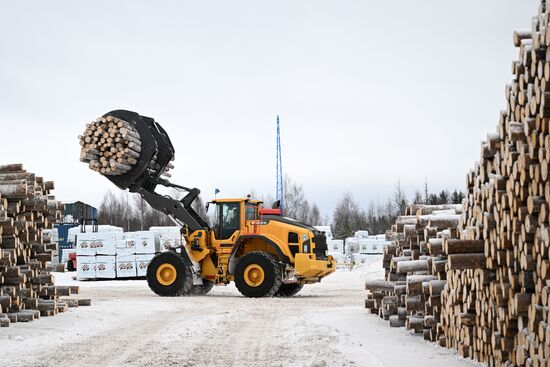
(168,276)
(201,290)
(70,266)
(289,290)
(268,279)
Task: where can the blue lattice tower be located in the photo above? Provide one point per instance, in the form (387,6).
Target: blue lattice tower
(279,193)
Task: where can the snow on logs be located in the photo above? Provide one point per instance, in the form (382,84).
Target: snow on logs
(494,306)
(112,147)
(26,285)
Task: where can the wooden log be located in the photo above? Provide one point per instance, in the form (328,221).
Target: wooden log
(412,266)
(437,286)
(395,321)
(84,302)
(16,189)
(7,168)
(466,261)
(379,285)
(415,324)
(455,246)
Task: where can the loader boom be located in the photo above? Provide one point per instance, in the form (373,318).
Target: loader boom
(181,211)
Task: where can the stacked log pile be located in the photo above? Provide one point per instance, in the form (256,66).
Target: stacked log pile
(415,271)
(26,285)
(496,308)
(112,147)
(495,305)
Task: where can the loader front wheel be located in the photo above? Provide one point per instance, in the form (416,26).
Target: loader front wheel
(257,275)
(168,276)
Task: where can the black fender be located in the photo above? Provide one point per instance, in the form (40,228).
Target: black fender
(269,242)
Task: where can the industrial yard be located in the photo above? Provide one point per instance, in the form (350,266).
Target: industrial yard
(136,328)
(289,184)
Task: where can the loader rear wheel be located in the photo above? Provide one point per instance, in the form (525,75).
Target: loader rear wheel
(289,290)
(168,276)
(258,275)
(201,290)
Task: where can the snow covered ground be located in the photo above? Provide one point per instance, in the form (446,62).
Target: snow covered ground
(324,325)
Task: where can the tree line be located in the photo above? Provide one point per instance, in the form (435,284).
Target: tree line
(132,213)
(349,217)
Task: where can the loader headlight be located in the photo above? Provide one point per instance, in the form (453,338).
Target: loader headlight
(304,237)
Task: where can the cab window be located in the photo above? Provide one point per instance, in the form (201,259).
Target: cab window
(228,220)
(251,212)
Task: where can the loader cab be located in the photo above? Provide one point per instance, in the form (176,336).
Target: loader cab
(234,215)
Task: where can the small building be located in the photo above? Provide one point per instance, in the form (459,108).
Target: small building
(78,211)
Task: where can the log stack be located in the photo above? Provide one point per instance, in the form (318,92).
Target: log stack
(495,305)
(415,272)
(112,147)
(26,285)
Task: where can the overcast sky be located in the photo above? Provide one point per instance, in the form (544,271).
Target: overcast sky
(368,92)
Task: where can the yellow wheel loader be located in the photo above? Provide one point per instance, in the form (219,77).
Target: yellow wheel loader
(264,253)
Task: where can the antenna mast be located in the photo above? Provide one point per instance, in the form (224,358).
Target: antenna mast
(280,196)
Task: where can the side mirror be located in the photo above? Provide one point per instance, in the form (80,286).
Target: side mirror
(207,206)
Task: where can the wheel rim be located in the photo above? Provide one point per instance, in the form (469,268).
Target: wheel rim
(166,274)
(254,275)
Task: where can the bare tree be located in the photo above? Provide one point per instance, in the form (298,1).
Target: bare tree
(348,217)
(400,201)
(297,206)
(315,216)
(131,215)
(294,199)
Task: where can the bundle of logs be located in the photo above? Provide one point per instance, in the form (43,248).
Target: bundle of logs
(415,268)
(112,147)
(26,285)
(495,305)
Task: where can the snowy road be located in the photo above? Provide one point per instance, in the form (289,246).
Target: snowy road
(325,325)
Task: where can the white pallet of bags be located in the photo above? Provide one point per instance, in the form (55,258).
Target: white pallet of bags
(170,241)
(85,244)
(126,246)
(76,231)
(126,266)
(170,237)
(106,243)
(166,229)
(147,242)
(85,267)
(142,261)
(93,243)
(105,267)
